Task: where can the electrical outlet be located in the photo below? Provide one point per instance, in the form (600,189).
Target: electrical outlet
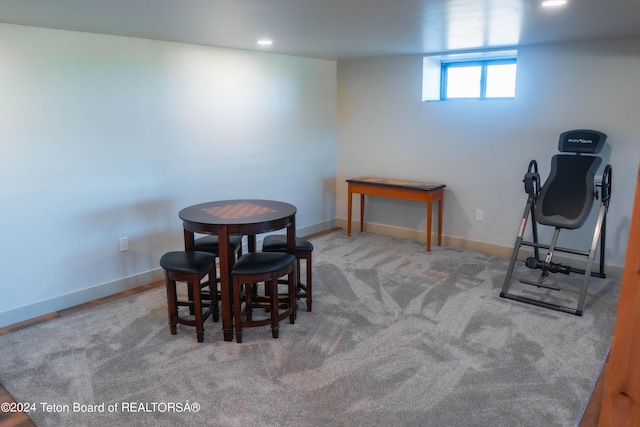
(124,244)
(479,214)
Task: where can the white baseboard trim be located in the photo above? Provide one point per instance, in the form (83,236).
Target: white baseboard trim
(475,246)
(316,228)
(71,299)
(61,302)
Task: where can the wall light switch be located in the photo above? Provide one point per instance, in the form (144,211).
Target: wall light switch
(479,214)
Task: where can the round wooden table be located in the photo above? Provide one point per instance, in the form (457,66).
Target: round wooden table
(236,217)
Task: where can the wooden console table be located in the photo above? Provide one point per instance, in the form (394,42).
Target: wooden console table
(397,189)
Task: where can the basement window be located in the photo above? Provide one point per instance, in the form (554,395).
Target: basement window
(476,76)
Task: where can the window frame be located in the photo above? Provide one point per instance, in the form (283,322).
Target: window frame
(484,64)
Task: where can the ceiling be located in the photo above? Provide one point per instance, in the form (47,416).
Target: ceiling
(336,29)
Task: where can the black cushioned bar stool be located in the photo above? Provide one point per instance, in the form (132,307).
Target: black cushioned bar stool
(210,244)
(189,267)
(278,243)
(263,267)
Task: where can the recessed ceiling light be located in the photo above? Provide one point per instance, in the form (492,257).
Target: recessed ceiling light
(552,3)
(265,42)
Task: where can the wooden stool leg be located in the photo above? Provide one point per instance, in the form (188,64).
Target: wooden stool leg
(213,291)
(248,294)
(171,303)
(309,287)
(194,285)
(293,301)
(237,308)
(190,298)
(275,323)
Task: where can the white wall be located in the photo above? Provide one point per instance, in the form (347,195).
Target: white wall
(481,150)
(103,137)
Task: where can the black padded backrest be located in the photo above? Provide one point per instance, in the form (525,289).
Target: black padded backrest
(567,196)
(581,141)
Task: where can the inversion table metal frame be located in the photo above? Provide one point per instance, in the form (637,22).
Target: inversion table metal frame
(532,188)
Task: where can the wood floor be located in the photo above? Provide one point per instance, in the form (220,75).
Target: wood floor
(589,419)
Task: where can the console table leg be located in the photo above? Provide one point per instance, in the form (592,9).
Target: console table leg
(429,208)
(349,204)
(361,213)
(440,222)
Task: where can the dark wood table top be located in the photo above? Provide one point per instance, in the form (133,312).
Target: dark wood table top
(242,212)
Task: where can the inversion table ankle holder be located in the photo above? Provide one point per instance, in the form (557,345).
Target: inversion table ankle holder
(564,202)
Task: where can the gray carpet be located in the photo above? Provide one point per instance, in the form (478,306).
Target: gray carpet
(398,336)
